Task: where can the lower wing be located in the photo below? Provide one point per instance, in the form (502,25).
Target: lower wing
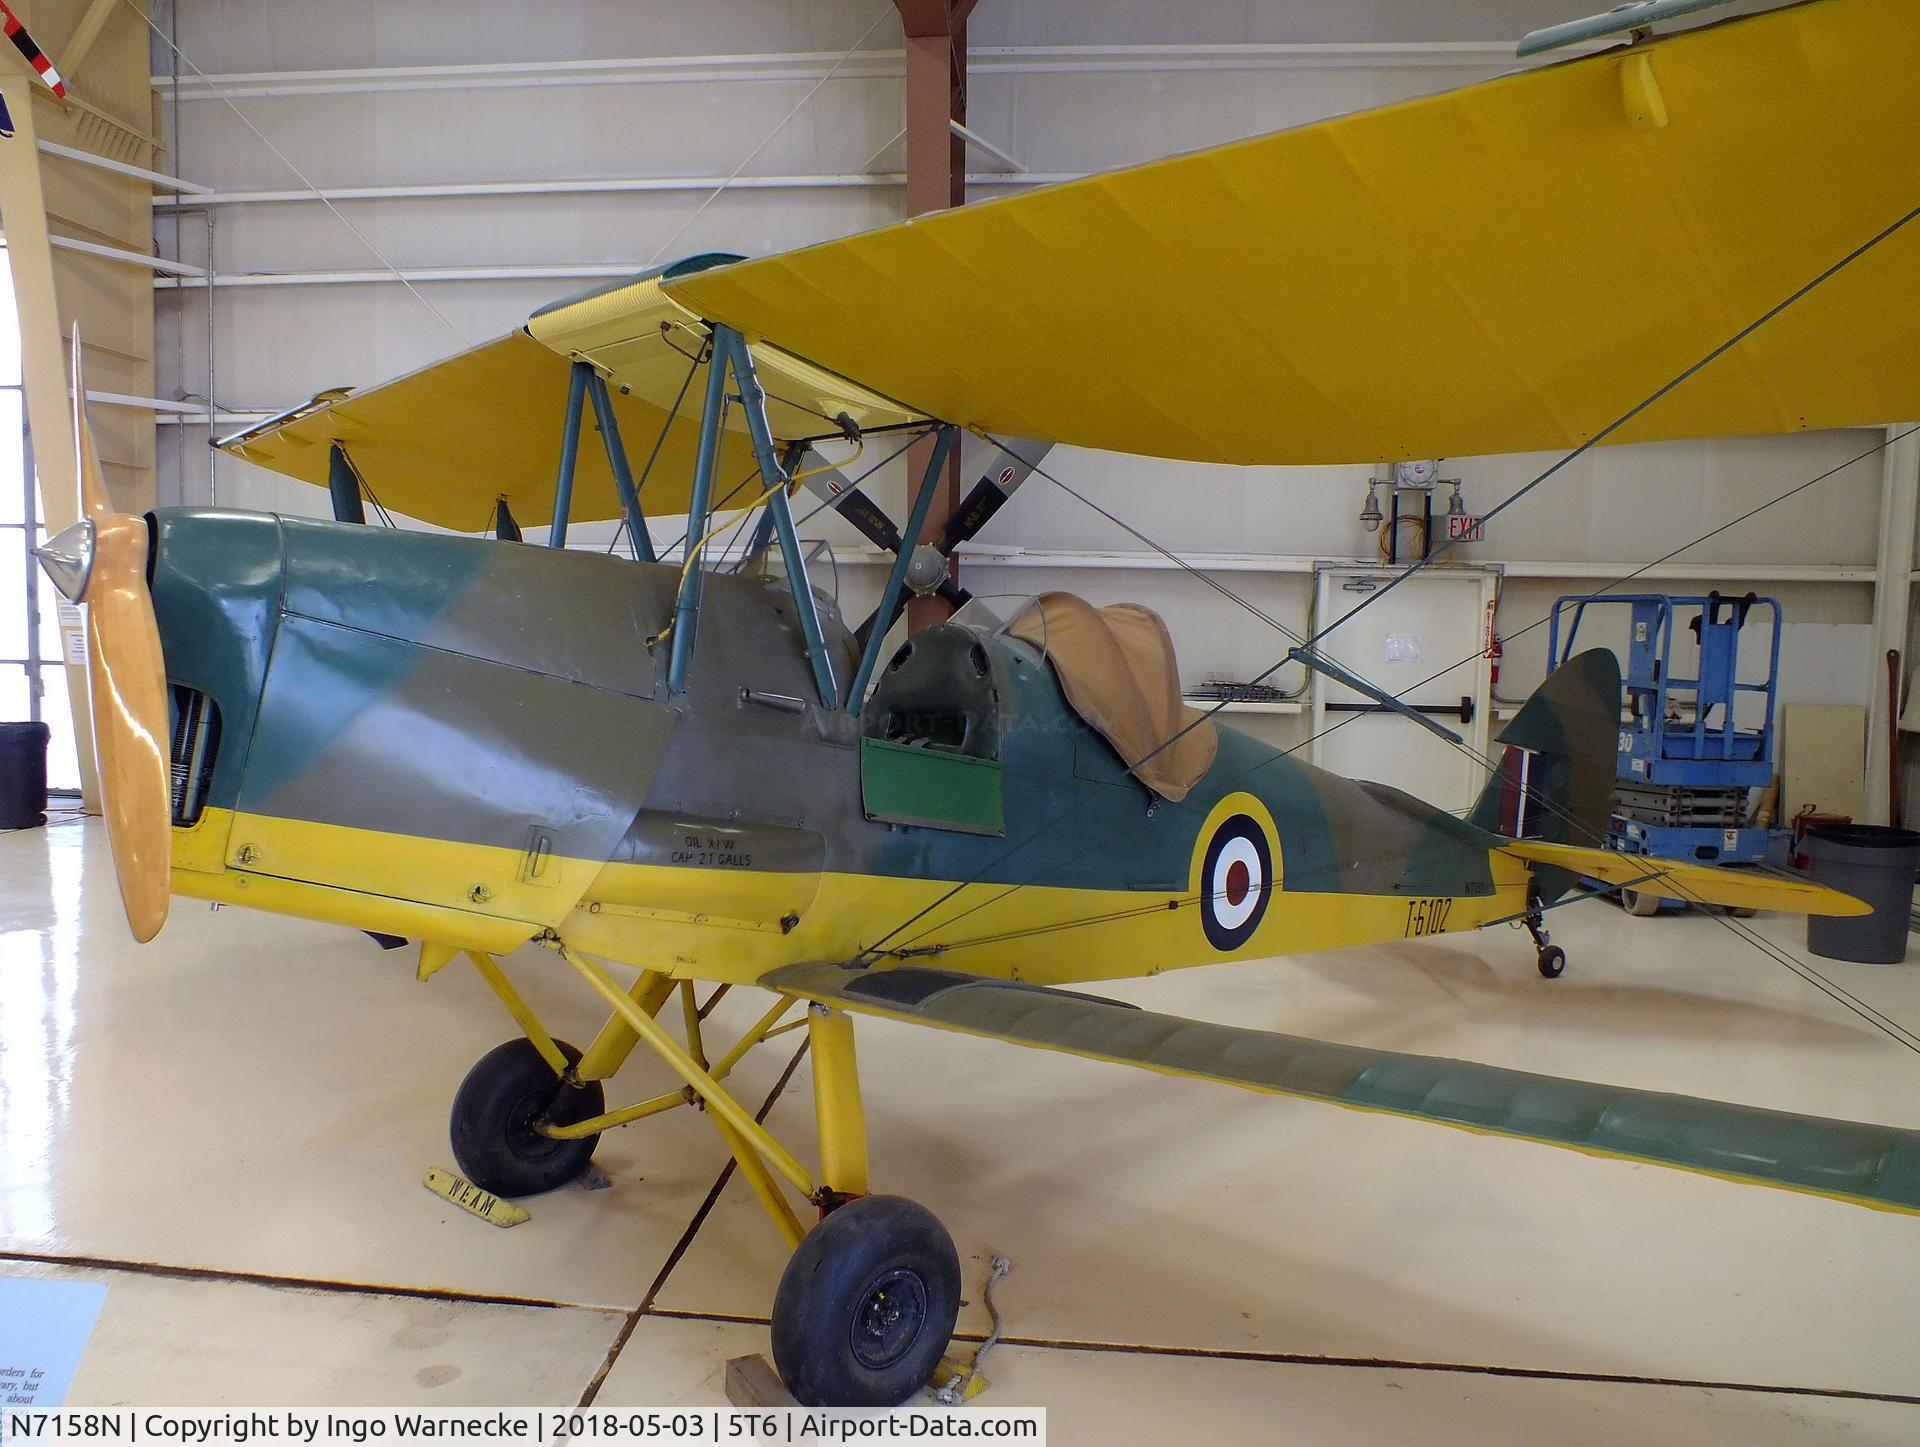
(1868,1165)
(1690,883)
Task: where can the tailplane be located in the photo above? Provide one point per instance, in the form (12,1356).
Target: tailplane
(1553,795)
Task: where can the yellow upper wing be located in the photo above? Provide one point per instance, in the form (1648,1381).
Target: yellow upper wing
(441,444)
(1503,268)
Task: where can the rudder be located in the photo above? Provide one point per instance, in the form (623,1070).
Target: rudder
(1555,780)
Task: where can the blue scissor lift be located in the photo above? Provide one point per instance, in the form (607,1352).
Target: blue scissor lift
(1685,767)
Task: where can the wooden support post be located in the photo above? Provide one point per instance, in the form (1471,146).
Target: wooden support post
(936,37)
(23,212)
(1892,610)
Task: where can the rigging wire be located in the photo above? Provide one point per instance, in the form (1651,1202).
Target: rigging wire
(1888,441)
(802,521)
(667,341)
(366,487)
(1819,981)
(667,426)
(1739,929)
(721,506)
(836,500)
(1634,411)
(1212,582)
(1851,257)
(1211,712)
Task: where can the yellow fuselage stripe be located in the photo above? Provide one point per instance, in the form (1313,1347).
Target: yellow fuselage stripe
(734,925)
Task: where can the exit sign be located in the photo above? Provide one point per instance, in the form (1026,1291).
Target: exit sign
(1465,528)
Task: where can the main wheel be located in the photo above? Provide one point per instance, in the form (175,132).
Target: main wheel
(1639,905)
(509,1090)
(866,1305)
(1552,962)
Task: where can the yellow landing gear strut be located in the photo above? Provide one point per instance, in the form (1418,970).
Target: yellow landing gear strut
(869,1297)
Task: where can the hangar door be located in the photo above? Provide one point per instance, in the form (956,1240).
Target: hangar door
(1435,623)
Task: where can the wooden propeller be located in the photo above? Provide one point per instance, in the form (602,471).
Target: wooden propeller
(103,560)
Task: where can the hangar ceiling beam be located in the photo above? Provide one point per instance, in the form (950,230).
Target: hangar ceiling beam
(1495,57)
(79,45)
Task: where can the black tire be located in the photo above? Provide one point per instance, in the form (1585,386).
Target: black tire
(494,1111)
(1553,962)
(867,1304)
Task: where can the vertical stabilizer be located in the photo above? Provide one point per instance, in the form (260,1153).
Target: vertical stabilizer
(1555,777)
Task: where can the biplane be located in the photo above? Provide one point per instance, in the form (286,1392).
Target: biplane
(682,780)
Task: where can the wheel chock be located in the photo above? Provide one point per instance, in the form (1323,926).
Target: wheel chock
(474,1201)
(941,1384)
(752,1382)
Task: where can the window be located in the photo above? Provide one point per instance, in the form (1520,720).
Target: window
(33,681)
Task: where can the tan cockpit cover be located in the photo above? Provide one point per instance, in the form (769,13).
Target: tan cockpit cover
(1117,669)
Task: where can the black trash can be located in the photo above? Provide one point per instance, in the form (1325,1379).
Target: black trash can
(1875,864)
(23,775)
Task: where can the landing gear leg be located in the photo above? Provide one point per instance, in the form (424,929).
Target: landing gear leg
(867,1304)
(868,1301)
(1551,959)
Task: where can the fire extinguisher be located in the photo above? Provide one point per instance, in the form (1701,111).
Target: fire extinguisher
(1494,652)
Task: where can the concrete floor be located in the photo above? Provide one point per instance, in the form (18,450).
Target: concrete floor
(229,1127)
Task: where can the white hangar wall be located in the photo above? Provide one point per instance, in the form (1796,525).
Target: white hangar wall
(357,94)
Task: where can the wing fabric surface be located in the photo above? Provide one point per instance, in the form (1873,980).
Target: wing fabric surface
(1691,883)
(1504,268)
(443,443)
(1869,1165)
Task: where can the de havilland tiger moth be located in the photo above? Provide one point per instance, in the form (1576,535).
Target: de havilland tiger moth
(670,776)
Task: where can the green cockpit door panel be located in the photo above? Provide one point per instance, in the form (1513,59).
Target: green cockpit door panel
(1869,1165)
(905,784)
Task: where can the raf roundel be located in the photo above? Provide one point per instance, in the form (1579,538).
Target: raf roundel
(1236,876)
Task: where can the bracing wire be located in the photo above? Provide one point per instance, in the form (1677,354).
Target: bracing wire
(666,427)
(1626,417)
(1643,569)
(1639,407)
(1820,982)
(721,506)
(1205,577)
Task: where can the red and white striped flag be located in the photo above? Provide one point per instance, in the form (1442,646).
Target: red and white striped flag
(29,47)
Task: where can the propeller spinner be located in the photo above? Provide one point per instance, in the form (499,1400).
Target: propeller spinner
(102,561)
